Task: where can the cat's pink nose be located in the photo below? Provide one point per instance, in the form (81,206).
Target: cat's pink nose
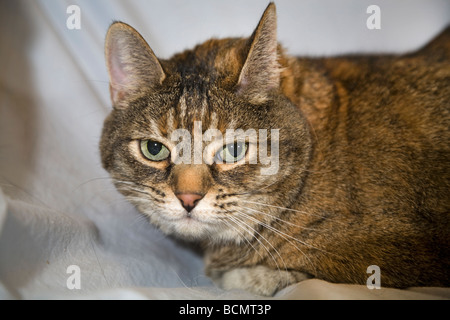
(189,200)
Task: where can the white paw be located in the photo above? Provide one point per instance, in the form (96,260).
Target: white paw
(259,280)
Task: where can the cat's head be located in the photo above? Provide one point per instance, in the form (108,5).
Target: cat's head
(169,142)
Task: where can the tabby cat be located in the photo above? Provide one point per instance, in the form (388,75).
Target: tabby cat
(359,147)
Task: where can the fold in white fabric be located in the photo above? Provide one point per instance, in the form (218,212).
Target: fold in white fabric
(65,232)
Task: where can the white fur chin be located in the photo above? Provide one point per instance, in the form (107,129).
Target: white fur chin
(202,225)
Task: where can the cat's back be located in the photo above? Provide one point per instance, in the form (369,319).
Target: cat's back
(408,94)
(433,56)
(390,125)
(439,47)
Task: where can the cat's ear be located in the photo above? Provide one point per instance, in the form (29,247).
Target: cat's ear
(261,71)
(132,65)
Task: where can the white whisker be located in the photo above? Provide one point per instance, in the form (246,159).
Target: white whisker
(289,209)
(279,219)
(243,236)
(133,188)
(283,235)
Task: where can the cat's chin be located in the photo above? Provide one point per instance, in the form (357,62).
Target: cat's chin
(194,229)
(188,228)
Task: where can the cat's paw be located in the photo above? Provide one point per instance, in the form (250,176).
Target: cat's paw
(259,280)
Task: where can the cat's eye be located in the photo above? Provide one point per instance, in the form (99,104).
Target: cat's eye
(232,152)
(154,150)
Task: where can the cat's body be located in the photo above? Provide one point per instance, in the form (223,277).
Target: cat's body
(364,158)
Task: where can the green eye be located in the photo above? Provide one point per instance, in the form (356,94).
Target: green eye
(232,152)
(154,150)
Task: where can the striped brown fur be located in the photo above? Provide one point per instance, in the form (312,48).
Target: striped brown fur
(364,171)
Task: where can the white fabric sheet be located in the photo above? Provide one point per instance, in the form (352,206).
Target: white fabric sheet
(58,207)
